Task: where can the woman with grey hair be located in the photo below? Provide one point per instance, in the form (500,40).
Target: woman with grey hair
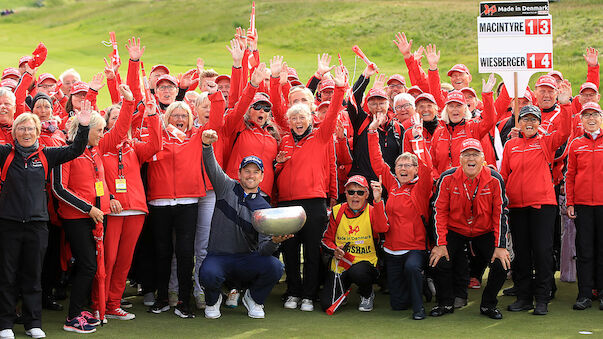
(7,114)
(404,107)
(24,233)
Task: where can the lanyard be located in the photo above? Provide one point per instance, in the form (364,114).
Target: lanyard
(471,199)
(120,164)
(91,158)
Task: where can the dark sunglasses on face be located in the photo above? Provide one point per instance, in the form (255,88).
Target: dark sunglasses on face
(259,106)
(352,192)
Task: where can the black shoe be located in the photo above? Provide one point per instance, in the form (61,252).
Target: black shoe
(491,312)
(541,309)
(440,310)
(419,315)
(582,304)
(460,302)
(125,304)
(60,293)
(520,305)
(49,303)
(159,306)
(510,292)
(182,310)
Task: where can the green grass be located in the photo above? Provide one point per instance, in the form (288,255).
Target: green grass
(382,322)
(177,32)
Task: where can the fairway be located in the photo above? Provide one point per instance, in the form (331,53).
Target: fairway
(382,322)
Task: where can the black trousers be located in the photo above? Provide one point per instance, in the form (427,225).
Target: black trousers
(143,263)
(532,230)
(180,220)
(589,249)
(362,273)
(83,248)
(483,246)
(22,248)
(52,260)
(405,279)
(310,237)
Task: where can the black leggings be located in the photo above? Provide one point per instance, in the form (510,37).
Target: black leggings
(362,273)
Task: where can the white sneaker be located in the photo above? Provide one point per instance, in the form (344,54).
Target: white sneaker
(232,300)
(307,305)
(97,316)
(172,298)
(291,302)
(254,310)
(35,332)
(213,311)
(149,299)
(7,334)
(119,314)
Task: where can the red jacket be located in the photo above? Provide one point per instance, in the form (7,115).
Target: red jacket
(583,185)
(447,140)
(74,182)
(407,205)
(526,166)
(307,174)
(471,209)
(52,139)
(133,154)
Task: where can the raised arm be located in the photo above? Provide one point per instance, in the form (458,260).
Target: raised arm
(327,129)
(133,79)
(435,84)
(488,120)
(120,130)
(216,109)
(146,149)
(415,73)
(559,136)
(592,62)
(219,180)
(276,67)
(377,163)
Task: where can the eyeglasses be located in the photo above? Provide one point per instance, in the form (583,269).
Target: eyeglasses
(25,129)
(380,104)
(166,87)
(259,106)
(179,116)
(471,155)
(588,95)
(405,166)
(591,115)
(532,120)
(360,192)
(405,106)
(46,85)
(396,86)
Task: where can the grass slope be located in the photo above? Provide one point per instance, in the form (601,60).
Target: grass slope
(177,32)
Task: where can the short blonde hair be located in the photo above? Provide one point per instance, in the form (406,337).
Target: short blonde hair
(95,119)
(23,117)
(208,73)
(408,156)
(308,94)
(182,105)
(446,119)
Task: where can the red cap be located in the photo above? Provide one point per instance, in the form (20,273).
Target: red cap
(471,143)
(459,68)
(470,90)
(24,59)
(326,84)
(295,82)
(591,105)
(10,83)
(324,103)
(79,87)
(557,73)
(586,85)
(425,96)
(167,77)
(376,92)
(358,179)
(455,96)
(416,89)
(397,77)
(10,71)
(156,67)
(260,97)
(527,95)
(291,73)
(222,77)
(547,80)
(46,76)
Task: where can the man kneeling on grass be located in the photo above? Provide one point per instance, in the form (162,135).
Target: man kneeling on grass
(350,238)
(236,251)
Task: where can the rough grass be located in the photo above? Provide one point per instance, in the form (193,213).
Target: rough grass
(177,32)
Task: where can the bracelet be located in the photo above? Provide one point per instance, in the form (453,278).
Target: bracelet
(205,145)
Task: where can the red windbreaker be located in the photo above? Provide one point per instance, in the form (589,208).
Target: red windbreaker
(583,185)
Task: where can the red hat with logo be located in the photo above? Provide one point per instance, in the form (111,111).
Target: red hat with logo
(469,90)
(592,106)
(455,96)
(46,76)
(415,89)
(547,80)
(326,84)
(557,73)
(79,87)
(528,96)
(397,77)
(24,59)
(586,85)
(459,68)
(160,66)
(261,97)
(471,143)
(358,179)
(10,71)
(376,93)
(291,73)
(222,77)
(167,77)
(10,83)
(425,96)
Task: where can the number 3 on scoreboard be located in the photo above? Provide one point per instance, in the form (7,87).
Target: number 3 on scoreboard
(538,26)
(539,60)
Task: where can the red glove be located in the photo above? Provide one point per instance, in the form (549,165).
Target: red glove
(39,56)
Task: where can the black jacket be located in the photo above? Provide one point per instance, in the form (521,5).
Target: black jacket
(23,197)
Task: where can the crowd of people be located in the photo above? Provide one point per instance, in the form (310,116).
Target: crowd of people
(403,184)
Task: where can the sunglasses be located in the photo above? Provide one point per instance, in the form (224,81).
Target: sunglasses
(352,192)
(259,106)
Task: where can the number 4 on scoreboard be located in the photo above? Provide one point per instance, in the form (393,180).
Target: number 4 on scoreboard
(538,26)
(539,60)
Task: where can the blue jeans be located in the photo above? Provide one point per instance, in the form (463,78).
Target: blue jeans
(405,279)
(260,273)
(206,210)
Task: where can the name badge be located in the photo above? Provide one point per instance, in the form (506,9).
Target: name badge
(120,186)
(100,190)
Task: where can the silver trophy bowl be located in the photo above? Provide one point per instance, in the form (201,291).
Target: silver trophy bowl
(279,220)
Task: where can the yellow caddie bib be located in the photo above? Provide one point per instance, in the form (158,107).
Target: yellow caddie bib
(359,233)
